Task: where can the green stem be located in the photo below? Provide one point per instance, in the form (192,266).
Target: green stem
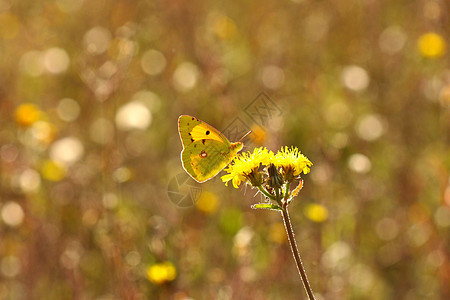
(286,194)
(263,190)
(298,260)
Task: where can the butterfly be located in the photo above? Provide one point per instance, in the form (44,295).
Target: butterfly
(206,151)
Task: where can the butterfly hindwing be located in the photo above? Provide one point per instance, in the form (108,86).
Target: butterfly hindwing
(204,159)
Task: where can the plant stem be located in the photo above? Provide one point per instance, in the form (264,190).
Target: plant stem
(263,190)
(298,260)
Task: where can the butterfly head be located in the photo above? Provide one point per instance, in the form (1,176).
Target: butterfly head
(236,147)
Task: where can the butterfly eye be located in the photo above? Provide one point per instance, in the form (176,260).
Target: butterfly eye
(203,154)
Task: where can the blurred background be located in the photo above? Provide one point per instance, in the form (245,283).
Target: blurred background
(94,203)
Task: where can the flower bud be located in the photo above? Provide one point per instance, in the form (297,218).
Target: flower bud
(275,179)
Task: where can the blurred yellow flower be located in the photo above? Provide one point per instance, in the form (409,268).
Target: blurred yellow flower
(207,202)
(44,132)
(431,45)
(258,135)
(444,96)
(224,27)
(161,272)
(316,212)
(26,114)
(52,170)
(277,233)
(9,25)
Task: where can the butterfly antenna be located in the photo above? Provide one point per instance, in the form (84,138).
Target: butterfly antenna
(245,135)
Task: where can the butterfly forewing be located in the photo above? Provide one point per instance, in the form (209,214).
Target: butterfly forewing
(192,129)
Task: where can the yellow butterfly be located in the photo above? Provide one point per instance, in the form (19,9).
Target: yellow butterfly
(206,151)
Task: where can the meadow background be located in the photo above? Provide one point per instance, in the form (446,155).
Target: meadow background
(94,203)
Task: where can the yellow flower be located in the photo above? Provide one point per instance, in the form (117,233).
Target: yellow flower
(431,45)
(161,272)
(316,212)
(53,170)
(245,166)
(27,114)
(292,161)
(207,202)
(277,233)
(224,27)
(259,135)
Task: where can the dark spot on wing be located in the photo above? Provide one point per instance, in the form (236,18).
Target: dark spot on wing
(195,145)
(203,154)
(203,141)
(193,118)
(207,132)
(192,139)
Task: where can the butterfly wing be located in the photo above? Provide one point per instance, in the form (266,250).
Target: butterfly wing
(206,151)
(204,159)
(192,129)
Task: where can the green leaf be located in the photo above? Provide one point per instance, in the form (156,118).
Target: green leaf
(266,206)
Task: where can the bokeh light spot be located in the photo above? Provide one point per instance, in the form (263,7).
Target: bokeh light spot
(370,127)
(392,40)
(442,216)
(133,258)
(185,77)
(272,77)
(133,115)
(387,229)
(12,214)
(150,99)
(68,109)
(43,131)
(97,40)
(9,153)
(30,181)
(102,131)
(153,62)
(362,277)
(338,115)
(31,63)
(359,163)
(69,6)
(10,266)
(355,78)
(56,60)
(67,150)
(122,174)
(337,256)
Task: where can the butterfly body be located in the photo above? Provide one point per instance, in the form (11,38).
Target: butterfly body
(206,151)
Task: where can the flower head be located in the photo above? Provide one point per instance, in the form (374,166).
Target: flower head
(245,167)
(160,273)
(431,45)
(292,162)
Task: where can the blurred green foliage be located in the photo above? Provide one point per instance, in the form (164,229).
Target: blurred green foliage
(90,93)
